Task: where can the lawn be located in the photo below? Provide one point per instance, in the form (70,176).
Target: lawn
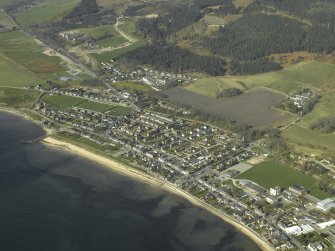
(64,101)
(131,86)
(17,98)
(95,106)
(309,74)
(45,11)
(24,51)
(271,173)
(119,111)
(14,75)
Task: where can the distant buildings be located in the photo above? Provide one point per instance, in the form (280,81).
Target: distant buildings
(325,205)
(298,190)
(275,191)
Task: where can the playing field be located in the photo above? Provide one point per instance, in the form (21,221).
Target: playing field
(14,75)
(95,106)
(119,111)
(17,98)
(64,101)
(254,108)
(24,51)
(309,74)
(271,173)
(45,11)
(67,102)
(132,86)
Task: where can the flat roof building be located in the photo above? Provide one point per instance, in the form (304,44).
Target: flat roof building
(325,205)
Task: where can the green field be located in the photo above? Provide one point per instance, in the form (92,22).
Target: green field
(309,74)
(14,75)
(23,50)
(5,2)
(111,42)
(45,11)
(324,109)
(271,173)
(95,106)
(310,141)
(131,86)
(64,101)
(306,140)
(5,21)
(17,98)
(128,27)
(119,111)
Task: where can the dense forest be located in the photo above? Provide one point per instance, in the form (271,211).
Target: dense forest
(263,28)
(175,59)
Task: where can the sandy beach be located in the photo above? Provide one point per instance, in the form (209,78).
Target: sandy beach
(136,174)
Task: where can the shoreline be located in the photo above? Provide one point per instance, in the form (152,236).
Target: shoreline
(126,170)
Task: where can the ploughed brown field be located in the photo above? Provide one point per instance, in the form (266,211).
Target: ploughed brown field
(254,108)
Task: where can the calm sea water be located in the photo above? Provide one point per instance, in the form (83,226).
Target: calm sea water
(52,200)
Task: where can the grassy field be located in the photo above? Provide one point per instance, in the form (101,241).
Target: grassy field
(119,111)
(314,142)
(24,51)
(5,2)
(95,106)
(311,74)
(242,3)
(128,27)
(14,75)
(17,98)
(306,140)
(111,42)
(271,173)
(131,86)
(5,21)
(64,101)
(324,109)
(45,11)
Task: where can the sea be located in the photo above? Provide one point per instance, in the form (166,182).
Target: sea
(51,200)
